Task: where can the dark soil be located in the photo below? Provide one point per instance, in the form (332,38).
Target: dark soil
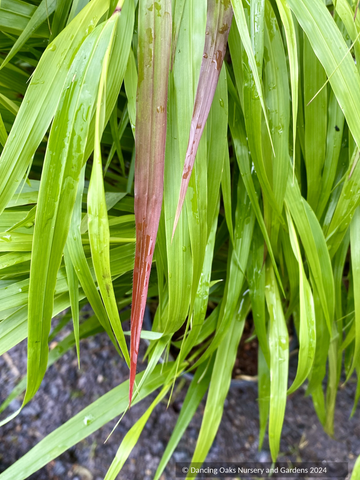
(247,355)
(66,390)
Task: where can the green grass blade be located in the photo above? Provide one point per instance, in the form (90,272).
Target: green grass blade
(290,33)
(277,95)
(63,163)
(347,330)
(257,31)
(131,438)
(43,11)
(83,424)
(61,14)
(117,66)
(217,129)
(9,104)
(178,251)
(82,268)
(356,471)
(355,265)
(332,51)
(318,399)
(201,299)
(279,361)
(15,16)
(292,268)
(238,259)
(307,331)
(220,383)
(13,329)
(333,148)
(345,207)
(256,279)
(338,267)
(115,135)
(76,8)
(73,284)
(3,132)
(28,221)
(240,18)
(41,100)
(99,233)
(178,10)
(351,23)
(332,383)
(194,395)
(315,247)
(226,194)
(88,328)
(130,81)
(250,103)
(263,394)
(357,394)
(315,110)
(200,303)
(237,129)
(159,347)
(189,85)
(219,17)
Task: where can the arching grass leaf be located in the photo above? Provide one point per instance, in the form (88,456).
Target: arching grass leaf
(43,11)
(220,382)
(99,233)
(279,361)
(218,24)
(307,331)
(90,419)
(42,99)
(151,120)
(63,162)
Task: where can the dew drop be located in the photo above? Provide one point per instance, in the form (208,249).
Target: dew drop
(88,420)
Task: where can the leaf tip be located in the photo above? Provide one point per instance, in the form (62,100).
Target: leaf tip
(177,216)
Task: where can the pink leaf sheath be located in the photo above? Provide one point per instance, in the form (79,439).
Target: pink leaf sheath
(219,16)
(150,135)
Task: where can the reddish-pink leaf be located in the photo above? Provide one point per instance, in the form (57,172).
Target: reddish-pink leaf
(151,115)
(219,16)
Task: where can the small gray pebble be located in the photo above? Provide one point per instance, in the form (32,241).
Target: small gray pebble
(59,468)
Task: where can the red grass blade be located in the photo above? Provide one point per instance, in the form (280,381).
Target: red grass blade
(218,24)
(151,116)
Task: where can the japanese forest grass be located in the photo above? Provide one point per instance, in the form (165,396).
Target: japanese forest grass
(205,153)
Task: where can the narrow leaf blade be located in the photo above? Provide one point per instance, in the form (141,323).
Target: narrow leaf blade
(150,134)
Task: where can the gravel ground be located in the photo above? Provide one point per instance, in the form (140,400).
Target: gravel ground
(66,390)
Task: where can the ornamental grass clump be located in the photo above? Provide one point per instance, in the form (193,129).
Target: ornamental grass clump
(204,154)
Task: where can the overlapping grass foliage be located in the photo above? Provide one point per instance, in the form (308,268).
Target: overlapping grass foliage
(269,227)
